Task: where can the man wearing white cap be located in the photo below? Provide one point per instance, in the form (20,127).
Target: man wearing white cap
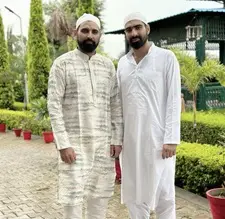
(150,87)
(86,117)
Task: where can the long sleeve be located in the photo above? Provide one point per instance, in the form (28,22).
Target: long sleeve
(173,103)
(116,112)
(56,90)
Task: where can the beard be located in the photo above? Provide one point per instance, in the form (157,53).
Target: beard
(139,43)
(87,46)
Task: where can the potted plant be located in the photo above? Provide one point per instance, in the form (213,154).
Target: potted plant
(18,129)
(47,130)
(26,126)
(2,126)
(39,107)
(216,198)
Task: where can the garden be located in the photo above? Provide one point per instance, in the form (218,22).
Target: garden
(200,164)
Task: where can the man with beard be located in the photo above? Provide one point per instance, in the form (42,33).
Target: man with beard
(150,86)
(86,117)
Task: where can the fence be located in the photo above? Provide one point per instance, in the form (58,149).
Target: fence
(209,96)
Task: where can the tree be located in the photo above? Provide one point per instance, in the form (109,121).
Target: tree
(38,60)
(62,19)
(193,74)
(85,6)
(220,73)
(6,89)
(58,30)
(16,63)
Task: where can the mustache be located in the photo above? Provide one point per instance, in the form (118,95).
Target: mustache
(135,38)
(88,40)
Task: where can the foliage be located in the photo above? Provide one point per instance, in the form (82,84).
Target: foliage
(14,119)
(85,6)
(4,56)
(39,107)
(209,118)
(14,43)
(38,60)
(210,127)
(18,87)
(28,124)
(71,43)
(16,63)
(6,95)
(220,73)
(115,62)
(193,74)
(56,51)
(62,19)
(200,167)
(19,106)
(202,133)
(46,124)
(6,88)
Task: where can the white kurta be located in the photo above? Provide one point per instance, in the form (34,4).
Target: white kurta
(151,96)
(85,111)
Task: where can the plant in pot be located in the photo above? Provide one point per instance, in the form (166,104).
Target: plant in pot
(216,196)
(2,125)
(39,107)
(18,129)
(27,129)
(47,130)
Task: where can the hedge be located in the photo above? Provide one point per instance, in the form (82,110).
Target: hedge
(18,106)
(200,167)
(16,119)
(209,130)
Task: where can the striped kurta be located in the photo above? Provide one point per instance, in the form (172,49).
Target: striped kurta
(85,111)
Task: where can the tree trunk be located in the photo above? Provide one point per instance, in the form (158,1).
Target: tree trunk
(194,109)
(194,117)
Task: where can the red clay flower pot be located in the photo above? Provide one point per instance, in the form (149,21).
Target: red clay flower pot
(17,132)
(48,137)
(2,127)
(216,198)
(27,135)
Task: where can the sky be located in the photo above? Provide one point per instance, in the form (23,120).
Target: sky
(113,15)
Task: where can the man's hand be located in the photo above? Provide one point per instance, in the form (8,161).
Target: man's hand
(169,150)
(68,155)
(115,150)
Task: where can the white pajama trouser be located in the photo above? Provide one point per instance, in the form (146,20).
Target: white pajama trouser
(164,210)
(96,209)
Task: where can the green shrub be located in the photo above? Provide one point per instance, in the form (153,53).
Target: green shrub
(38,60)
(200,167)
(210,118)
(39,107)
(25,119)
(46,124)
(18,106)
(6,88)
(210,127)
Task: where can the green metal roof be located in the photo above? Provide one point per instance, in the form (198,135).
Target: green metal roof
(187,13)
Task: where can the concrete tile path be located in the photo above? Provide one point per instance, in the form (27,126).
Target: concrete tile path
(28,184)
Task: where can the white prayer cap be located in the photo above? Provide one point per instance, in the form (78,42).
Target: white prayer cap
(135,16)
(88,17)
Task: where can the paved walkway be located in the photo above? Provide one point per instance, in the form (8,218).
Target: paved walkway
(28,184)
